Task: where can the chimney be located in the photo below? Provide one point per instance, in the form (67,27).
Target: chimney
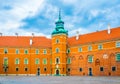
(109,31)
(16,34)
(0,34)
(77,35)
(32,34)
(31,41)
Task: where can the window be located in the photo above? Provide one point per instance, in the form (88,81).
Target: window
(37,51)
(90,59)
(26,51)
(68,69)
(5,51)
(89,48)
(57,41)
(17,51)
(5,61)
(57,60)
(68,61)
(50,61)
(68,50)
(57,50)
(117,44)
(80,49)
(17,61)
(100,47)
(44,51)
(45,69)
(17,69)
(113,68)
(101,69)
(37,61)
(26,69)
(118,57)
(25,61)
(80,69)
(44,61)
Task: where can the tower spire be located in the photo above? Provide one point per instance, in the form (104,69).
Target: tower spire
(59,14)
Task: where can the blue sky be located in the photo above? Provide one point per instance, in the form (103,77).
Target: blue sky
(38,16)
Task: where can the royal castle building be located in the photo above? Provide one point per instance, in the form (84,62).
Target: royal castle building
(93,54)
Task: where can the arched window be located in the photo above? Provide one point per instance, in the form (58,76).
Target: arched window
(57,40)
(44,61)
(57,50)
(69,61)
(68,50)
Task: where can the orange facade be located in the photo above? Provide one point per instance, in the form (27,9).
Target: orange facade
(93,54)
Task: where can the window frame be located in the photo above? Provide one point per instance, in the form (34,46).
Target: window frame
(44,51)
(118,44)
(100,46)
(26,61)
(90,60)
(80,49)
(37,61)
(101,69)
(57,50)
(44,61)
(5,51)
(26,51)
(90,48)
(17,62)
(68,60)
(37,51)
(113,70)
(117,57)
(57,41)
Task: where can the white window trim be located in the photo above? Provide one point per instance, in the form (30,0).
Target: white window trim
(27,61)
(38,60)
(116,44)
(18,61)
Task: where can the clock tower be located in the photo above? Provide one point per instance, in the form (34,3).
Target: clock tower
(59,48)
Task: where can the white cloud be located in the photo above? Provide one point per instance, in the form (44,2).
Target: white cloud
(12,19)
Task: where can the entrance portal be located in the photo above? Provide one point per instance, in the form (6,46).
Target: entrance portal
(57,72)
(90,71)
(38,71)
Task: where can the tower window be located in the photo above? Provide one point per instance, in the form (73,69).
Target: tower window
(68,50)
(5,61)
(57,50)
(57,60)
(57,40)
(68,61)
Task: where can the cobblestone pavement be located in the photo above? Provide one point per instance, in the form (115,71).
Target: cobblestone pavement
(58,80)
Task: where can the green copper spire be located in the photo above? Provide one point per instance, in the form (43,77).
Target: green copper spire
(59,26)
(60,14)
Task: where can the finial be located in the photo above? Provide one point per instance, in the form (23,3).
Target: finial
(59,14)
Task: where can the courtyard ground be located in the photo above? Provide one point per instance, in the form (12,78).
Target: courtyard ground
(58,80)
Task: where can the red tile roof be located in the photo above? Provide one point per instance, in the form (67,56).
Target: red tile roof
(24,41)
(95,37)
